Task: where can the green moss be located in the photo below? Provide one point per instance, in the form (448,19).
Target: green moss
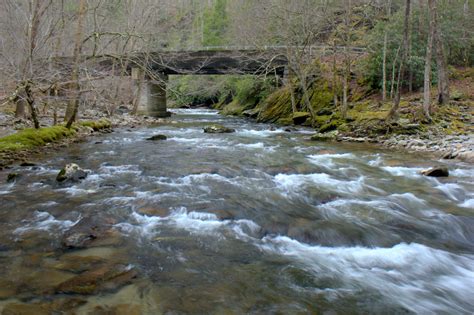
(321,95)
(30,138)
(236,108)
(285,121)
(276,106)
(332,125)
(97,124)
(321,120)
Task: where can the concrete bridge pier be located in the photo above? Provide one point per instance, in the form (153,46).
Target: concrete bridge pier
(150,94)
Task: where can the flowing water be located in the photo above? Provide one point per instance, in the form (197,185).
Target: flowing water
(261,221)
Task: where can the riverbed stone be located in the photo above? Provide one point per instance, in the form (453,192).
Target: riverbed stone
(71,172)
(157,138)
(437,171)
(12,177)
(218,129)
(77,264)
(104,278)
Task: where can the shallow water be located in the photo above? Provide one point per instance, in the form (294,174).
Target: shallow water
(261,221)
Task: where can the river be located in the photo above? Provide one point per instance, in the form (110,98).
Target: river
(260,221)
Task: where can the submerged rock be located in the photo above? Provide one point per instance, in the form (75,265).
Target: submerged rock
(157,138)
(71,172)
(218,129)
(27,164)
(438,171)
(12,177)
(105,278)
(300,117)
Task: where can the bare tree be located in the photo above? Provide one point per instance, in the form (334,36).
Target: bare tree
(429,47)
(73,106)
(401,69)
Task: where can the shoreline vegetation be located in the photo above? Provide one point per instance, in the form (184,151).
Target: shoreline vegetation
(448,134)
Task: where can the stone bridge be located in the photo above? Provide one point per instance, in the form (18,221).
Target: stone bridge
(150,71)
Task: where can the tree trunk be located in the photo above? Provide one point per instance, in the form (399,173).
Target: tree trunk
(73,106)
(443,80)
(384,67)
(429,47)
(384,61)
(30,100)
(401,70)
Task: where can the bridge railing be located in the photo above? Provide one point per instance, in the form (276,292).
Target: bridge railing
(268,47)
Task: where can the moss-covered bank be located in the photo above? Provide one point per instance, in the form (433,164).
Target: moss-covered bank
(22,144)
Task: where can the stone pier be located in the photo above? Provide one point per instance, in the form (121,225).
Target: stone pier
(150,93)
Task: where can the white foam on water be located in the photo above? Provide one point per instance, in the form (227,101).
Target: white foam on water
(258,145)
(403,171)
(76,191)
(48,204)
(378,161)
(6,189)
(200,143)
(199,111)
(294,182)
(327,160)
(409,197)
(422,279)
(201,181)
(451,190)
(468,203)
(44,221)
(259,133)
(119,169)
(462,172)
(191,221)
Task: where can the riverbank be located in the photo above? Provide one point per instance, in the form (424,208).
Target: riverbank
(450,133)
(22,144)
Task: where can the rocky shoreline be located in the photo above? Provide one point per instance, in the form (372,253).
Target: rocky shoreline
(459,147)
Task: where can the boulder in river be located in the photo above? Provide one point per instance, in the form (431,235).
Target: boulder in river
(437,171)
(157,138)
(218,129)
(12,177)
(328,136)
(71,172)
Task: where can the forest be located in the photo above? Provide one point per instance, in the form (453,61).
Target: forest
(236,156)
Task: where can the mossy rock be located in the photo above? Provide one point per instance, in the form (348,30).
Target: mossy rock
(285,121)
(97,125)
(71,172)
(332,125)
(276,106)
(300,117)
(329,136)
(218,129)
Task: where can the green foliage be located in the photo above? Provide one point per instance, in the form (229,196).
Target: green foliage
(459,49)
(215,24)
(30,138)
(195,90)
